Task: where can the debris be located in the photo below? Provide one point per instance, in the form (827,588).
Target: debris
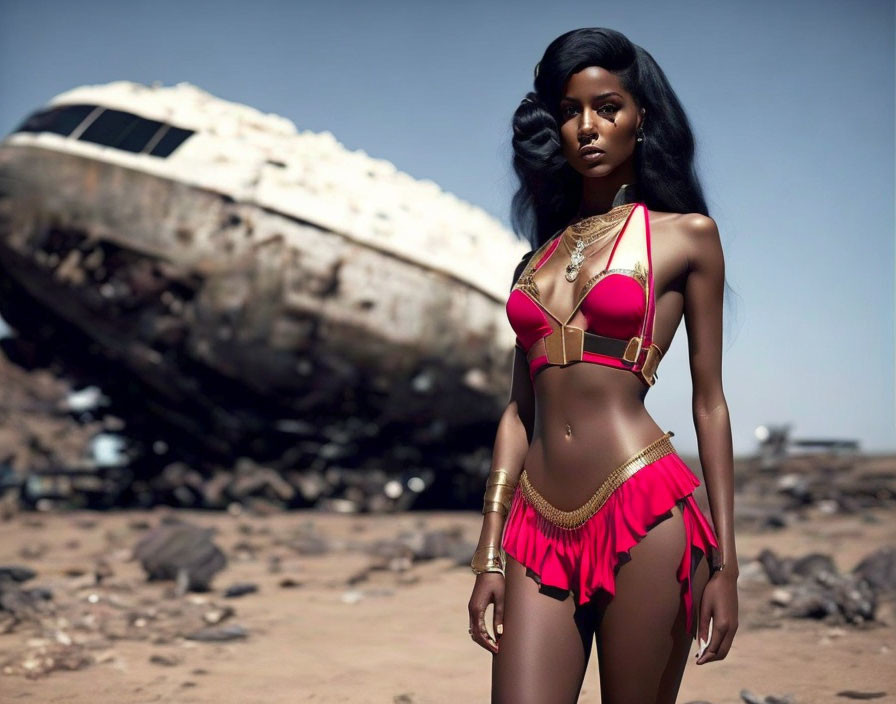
(219,634)
(240,589)
(182,552)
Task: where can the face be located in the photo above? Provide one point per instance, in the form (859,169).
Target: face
(596,110)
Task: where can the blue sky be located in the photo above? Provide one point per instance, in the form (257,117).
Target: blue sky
(792,104)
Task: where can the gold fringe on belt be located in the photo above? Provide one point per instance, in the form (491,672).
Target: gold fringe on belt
(570,520)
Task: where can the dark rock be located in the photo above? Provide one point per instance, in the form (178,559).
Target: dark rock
(813,564)
(219,634)
(749,697)
(776,569)
(834,597)
(240,589)
(16,573)
(180,551)
(879,569)
(853,694)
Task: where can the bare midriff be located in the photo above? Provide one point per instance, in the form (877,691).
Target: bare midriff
(589,419)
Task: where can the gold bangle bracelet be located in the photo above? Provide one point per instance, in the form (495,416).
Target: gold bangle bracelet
(496,507)
(498,493)
(488,558)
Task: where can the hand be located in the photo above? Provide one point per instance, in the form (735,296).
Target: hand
(489,588)
(719,603)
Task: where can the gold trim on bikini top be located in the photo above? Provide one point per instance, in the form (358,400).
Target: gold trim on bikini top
(570,520)
(567,344)
(613,218)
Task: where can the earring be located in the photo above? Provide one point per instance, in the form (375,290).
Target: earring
(640,134)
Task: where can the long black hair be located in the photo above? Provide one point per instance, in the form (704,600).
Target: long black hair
(550,189)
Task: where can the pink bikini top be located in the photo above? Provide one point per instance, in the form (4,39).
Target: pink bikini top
(617,303)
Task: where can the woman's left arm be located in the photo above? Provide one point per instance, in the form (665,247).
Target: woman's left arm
(703,297)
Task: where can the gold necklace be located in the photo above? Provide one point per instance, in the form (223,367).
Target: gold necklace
(589,230)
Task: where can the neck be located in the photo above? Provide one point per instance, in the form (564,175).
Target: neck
(602,195)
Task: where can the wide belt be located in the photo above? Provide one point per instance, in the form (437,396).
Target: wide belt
(568,343)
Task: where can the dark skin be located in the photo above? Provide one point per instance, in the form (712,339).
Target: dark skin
(576,423)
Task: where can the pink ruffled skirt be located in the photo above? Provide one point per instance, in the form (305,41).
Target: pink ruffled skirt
(585,559)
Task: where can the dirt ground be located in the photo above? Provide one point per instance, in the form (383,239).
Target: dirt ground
(317,634)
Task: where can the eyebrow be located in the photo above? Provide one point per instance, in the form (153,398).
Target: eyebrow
(596,97)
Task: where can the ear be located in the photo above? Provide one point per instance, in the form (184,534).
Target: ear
(642,112)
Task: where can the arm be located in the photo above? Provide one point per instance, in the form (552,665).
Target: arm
(511,445)
(703,298)
(703,293)
(514,430)
(511,441)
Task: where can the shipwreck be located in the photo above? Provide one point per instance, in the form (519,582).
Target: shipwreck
(246,289)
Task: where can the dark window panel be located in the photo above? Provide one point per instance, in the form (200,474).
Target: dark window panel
(109,128)
(61,120)
(137,135)
(173,138)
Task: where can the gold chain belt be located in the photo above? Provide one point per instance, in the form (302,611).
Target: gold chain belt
(570,520)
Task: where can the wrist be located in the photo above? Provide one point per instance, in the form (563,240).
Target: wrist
(488,558)
(723,571)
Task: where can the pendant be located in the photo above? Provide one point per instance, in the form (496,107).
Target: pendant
(575,262)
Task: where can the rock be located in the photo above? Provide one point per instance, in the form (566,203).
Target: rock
(16,573)
(777,570)
(219,634)
(216,616)
(240,589)
(182,552)
(810,565)
(854,694)
(45,658)
(879,569)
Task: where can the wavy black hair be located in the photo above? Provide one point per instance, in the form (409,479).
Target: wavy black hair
(550,189)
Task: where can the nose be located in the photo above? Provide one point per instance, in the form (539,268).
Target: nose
(586,126)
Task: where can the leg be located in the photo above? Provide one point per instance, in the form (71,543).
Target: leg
(546,644)
(642,642)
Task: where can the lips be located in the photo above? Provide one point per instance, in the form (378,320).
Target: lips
(589,149)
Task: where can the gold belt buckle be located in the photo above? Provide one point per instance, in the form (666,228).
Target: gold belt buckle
(651,361)
(632,350)
(565,344)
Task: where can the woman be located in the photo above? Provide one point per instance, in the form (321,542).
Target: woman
(591,530)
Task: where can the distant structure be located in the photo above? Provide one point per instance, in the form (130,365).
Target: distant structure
(250,276)
(775,444)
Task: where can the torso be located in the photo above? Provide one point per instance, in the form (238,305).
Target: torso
(590,418)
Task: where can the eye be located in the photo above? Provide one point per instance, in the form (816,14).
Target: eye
(606,109)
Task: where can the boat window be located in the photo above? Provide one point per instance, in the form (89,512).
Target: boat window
(59,120)
(137,136)
(171,140)
(112,128)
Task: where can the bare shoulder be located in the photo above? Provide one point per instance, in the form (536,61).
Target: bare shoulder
(693,234)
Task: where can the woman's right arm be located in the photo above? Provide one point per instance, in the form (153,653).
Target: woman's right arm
(512,440)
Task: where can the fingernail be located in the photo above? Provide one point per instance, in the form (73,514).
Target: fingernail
(500,629)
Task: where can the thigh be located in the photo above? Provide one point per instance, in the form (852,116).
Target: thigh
(544,650)
(642,642)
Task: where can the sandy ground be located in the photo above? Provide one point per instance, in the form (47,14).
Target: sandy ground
(394,637)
